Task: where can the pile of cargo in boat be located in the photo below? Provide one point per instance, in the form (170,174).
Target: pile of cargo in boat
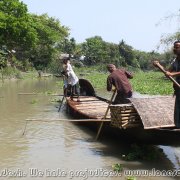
(125,116)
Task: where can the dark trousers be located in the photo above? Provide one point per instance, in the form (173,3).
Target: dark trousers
(177,109)
(74,90)
(122,98)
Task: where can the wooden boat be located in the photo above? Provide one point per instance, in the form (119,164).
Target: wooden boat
(90,106)
(129,120)
(145,113)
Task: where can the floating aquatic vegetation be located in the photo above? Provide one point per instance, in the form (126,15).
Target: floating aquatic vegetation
(34,101)
(117,167)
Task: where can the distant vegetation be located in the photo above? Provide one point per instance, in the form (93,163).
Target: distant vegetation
(150,82)
(29,41)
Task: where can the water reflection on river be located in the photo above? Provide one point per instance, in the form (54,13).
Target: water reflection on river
(57,148)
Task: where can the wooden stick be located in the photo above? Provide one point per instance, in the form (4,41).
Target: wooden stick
(24,128)
(123,125)
(61,103)
(40,94)
(66,120)
(110,102)
(71,120)
(157,64)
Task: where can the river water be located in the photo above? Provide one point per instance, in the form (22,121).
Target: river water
(50,149)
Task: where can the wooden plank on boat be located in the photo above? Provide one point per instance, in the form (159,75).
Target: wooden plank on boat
(93,104)
(91,107)
(86,98)
(96,113)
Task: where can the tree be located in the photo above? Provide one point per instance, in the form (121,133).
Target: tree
(95,50)
(50,34)
(69,46)
(127,53)
(15,25)
(170,38)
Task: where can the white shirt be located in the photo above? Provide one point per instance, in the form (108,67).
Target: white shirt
(72,78)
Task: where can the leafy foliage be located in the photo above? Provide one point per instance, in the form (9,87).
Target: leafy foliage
(117,167)
(33,37)
(143,152)
(15,25)
(49,34)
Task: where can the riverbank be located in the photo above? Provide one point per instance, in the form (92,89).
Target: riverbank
(150,82)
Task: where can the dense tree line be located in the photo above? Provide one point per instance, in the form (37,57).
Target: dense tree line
(34,39)
(38,41)
(97,51)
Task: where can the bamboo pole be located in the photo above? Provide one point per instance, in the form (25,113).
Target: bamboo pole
(39,94)
(70,120)
(61,103)
(110,102)
(65,120)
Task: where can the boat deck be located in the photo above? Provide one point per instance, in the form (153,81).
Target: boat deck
(89,107)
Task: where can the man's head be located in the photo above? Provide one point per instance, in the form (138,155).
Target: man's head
(111,67)
(176,48)
(66,60)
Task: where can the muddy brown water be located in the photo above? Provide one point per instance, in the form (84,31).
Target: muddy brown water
(60,149)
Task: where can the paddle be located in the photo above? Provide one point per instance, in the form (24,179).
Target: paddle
(104,117)
(157,64)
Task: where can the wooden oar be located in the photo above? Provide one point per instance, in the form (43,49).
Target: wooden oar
(157,64)
(101,125)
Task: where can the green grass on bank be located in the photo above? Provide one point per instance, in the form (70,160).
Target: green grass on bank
(153,83)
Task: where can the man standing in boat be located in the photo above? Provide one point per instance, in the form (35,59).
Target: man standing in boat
(174,71)
(119,79)
(71,80)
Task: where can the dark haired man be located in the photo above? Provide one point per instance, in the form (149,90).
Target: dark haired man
(119,79)
(174,71)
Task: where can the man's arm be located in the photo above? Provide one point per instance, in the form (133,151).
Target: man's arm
(129,75)
(109,84)
(173,74)
(171,71)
